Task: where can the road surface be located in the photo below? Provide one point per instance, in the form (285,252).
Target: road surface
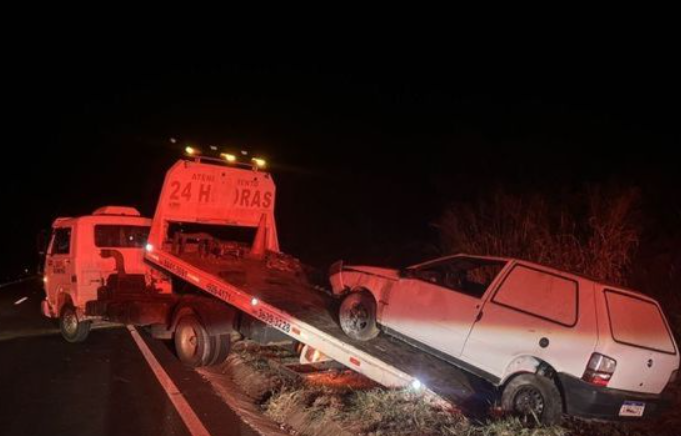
(104,386)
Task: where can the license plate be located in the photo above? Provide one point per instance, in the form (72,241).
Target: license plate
(632,408)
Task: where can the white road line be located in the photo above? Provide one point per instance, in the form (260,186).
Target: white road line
(193,423)
(16,282)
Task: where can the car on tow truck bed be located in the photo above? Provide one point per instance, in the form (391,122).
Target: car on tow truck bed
(553,341)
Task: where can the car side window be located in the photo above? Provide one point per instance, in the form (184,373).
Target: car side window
(541,294)
(61,241)
(467,276)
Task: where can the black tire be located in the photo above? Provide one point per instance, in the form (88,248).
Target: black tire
(220,347)
(357,316)
(72,329)
(192,343)
(533,397)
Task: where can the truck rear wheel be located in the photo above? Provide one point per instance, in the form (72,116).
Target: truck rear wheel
(72,329)
(220,347)
(192,343)
(535,397)
(357,316)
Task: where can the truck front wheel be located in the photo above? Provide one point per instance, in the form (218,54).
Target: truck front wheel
(72,329)
(357,316)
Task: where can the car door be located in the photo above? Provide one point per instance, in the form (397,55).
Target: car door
(435,307)
(59,266)
(532,313)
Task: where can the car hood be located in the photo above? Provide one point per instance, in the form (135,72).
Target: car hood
(388,273)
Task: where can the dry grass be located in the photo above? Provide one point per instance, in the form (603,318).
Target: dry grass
(312,409)
(593,233)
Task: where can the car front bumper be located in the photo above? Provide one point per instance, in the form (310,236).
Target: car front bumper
(588,401)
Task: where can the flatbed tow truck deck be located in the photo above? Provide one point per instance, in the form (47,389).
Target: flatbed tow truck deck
(285,301)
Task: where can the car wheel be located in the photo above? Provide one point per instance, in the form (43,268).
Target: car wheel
(72,329)
(357,316)
(192,343)
(533,397)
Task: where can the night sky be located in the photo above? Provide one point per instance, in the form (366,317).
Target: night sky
(366,150)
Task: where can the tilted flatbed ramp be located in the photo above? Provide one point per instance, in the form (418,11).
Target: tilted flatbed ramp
(288,303)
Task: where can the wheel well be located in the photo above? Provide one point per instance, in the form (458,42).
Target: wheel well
(532,365)
(364,289)
(62,299)
(216,317)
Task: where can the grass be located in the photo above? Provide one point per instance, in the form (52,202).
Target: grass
(312,409)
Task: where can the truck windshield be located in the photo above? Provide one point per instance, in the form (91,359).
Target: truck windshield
(120,236)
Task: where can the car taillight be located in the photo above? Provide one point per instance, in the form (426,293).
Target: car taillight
(599,370)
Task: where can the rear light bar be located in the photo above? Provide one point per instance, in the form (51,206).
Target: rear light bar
(599,370)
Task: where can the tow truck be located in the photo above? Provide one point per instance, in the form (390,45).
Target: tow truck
(212,267)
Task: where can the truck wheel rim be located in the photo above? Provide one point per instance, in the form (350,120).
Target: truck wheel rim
(529,401)
(188,341)
(70,323)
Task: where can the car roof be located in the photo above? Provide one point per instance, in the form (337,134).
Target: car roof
(602,284)
(104,219)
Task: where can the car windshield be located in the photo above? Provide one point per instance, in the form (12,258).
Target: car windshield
(469,276)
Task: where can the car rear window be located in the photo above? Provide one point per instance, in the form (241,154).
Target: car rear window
(120,236)
(541,294)
(638,322)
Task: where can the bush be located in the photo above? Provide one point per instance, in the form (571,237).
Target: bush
(595,232)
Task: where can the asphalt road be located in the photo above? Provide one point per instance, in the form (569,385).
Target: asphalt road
(103,386)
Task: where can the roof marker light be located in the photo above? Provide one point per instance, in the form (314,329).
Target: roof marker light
(191,151)
(260,163)
(254,301)
(149,248)
(228,157)
(416,384)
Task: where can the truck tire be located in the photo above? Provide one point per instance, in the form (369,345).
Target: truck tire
(192,343)
(533,397)
(357,316)
(220,347)
(72,329)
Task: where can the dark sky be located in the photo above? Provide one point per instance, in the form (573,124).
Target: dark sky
(366,150)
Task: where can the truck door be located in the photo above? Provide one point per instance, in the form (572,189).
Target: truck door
(59,265)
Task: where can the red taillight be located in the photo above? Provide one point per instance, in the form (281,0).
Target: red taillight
(599,370)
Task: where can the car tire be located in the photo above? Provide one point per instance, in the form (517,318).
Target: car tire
(73,329)
(357,316)
(193,345)
(534,397)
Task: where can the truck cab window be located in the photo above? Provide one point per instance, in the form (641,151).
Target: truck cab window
(61,241)
(120,236)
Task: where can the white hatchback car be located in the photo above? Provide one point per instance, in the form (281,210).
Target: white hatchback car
(554,342)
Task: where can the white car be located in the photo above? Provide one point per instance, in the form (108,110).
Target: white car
(552,341)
